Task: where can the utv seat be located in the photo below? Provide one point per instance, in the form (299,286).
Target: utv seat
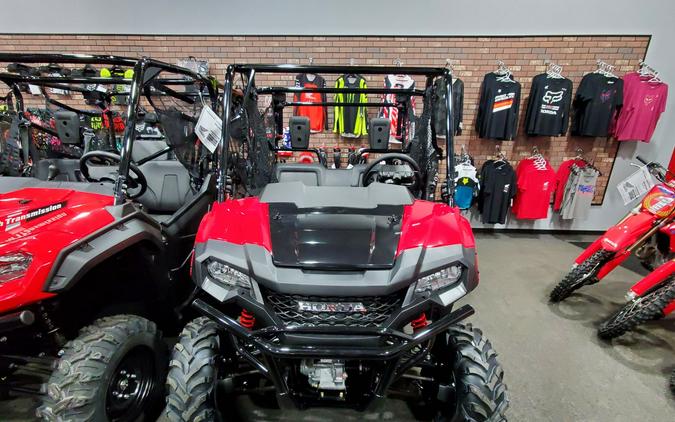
(317,175)
(168,181)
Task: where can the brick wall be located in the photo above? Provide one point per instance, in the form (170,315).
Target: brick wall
(472,56)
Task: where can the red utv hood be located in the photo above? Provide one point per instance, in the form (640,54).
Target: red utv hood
(425,224)
(41,222)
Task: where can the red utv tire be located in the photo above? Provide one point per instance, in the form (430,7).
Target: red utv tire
(468,379)
(113,371)
(648,307)
(191,381)
(580,276)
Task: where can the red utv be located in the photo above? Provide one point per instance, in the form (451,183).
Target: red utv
(96,233)
(334,286)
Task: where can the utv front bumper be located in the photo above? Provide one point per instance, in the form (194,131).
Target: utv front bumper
(395,350)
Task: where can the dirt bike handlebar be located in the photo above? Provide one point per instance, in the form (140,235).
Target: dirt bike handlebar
(654,168)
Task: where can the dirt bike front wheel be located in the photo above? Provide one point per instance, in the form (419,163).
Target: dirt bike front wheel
(645,308)
(579,276)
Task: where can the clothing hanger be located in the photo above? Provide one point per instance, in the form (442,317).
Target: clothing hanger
(605,69)
(499,155)
(554,71)
(449,66)
(311,76)
(504,72)
(580,156)
(646,71)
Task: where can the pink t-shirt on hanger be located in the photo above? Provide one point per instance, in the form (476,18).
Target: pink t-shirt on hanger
(643,103)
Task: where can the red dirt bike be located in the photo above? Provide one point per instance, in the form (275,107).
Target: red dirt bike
(651,298)
(634,233)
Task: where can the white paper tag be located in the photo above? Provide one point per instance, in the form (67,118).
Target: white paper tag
(635,185)
(34,89)
(209,129)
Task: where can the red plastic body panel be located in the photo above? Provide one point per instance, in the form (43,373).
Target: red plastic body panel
(42,222)
(669,230)
(425,224)
(655,206)
(431,224)
(657,276)
(238,221)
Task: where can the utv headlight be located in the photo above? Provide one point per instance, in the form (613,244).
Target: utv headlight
(14,265)
(439,279)
(227,275)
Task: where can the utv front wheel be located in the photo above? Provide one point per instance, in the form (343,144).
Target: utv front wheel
(581,275)
(113,371)
(468,379)
(192,373)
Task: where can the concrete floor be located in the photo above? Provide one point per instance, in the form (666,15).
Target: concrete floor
(556,369)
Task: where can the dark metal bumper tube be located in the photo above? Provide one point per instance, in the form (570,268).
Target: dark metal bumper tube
(406,342)
(16,320)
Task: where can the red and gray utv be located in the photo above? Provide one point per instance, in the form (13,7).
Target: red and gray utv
(334,286)
(102,196)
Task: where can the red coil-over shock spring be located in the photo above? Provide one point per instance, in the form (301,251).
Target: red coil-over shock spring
(246,319)
(419,322)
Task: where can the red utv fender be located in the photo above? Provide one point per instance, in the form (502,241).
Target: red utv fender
(657,276)
(42,222)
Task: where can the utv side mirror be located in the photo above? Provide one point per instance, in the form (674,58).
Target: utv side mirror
(68,127)
(299,130)
(378,134)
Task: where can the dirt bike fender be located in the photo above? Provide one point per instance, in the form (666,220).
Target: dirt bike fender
(657,276)
(623,235)
(613,263)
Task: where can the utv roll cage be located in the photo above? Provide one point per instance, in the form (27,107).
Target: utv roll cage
(248,73)
(146,82)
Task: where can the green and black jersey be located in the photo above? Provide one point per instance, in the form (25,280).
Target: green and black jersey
(350,121)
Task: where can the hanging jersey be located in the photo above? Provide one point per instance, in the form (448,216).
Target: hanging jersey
(397,123)
(466,185)
(561,177)
(643,103)
(498,187)
(440,111)
(317,114)
(548,108)
(596,102)
(498,108)
(535,181)
(350,121)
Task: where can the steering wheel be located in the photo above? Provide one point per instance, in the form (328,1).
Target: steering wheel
(390,157)
(136,179)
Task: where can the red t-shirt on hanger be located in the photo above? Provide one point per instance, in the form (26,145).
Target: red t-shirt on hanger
(536,182)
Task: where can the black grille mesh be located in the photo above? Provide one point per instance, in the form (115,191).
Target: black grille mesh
(378,309)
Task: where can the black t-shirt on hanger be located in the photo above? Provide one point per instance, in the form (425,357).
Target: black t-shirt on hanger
(548,107)
(498,187)
(498,108)
(596,103)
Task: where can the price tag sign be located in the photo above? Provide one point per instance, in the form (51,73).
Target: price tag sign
(34,90)
(209,129)
(636,185)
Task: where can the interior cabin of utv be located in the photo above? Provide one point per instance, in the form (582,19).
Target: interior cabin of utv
(104,185)
(329,286)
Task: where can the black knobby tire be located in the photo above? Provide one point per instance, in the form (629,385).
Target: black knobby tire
(88,372)
(580,276)
(480,394)
(672,382)
(192,373)
(643,309)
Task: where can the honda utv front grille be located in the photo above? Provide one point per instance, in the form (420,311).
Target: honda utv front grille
(318,311)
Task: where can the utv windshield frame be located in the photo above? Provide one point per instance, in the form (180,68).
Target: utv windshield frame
(248,73)
(147,73)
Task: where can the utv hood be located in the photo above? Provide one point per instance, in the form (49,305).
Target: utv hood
(334,237)
(335,227)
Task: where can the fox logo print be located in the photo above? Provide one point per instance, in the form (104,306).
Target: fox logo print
(552,97)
